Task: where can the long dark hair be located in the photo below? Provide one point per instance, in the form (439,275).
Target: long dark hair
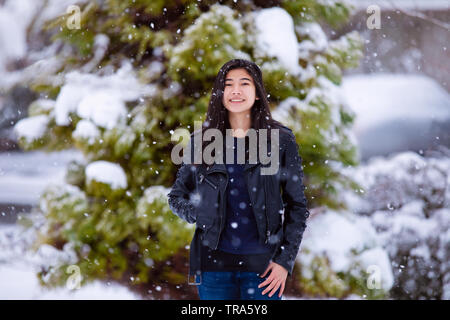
(217,114)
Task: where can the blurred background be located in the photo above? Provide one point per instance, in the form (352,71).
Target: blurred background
(91,92)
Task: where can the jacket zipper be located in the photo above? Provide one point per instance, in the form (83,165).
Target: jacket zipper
(251,197)
(202,177)
(223,211)
(265,212)
(210,183)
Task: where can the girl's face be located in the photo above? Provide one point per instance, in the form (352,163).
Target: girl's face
(239,92)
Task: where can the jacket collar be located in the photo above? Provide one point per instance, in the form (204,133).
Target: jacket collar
(221,167)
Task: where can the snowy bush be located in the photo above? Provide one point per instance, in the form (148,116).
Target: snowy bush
(341,256)
(105,236)
(393,239)
(390,184)
(406,198)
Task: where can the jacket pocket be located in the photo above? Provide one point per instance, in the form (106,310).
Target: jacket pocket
(204,222)
(277,236)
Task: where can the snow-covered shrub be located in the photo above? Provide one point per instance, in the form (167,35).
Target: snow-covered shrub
(391,183)
(200,43)
(105,179)
(153,214)
(104,235)
(341,256)
(395,227)
(406,198)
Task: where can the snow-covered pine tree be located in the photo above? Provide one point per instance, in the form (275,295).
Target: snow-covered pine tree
(137,70)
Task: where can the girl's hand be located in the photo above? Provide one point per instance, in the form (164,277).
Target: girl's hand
(276,279)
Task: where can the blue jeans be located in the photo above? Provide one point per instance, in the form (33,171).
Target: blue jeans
(233,285)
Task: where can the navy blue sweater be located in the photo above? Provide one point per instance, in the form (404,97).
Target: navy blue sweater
(240,234)
(239,248)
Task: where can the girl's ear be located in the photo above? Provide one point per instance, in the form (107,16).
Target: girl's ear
(256,98)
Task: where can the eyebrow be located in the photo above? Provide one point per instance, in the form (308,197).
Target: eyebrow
(229,79)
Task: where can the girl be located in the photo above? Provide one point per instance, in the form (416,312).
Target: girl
(249,225)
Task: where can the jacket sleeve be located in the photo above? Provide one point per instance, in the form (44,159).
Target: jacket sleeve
(179,198)
(296,212)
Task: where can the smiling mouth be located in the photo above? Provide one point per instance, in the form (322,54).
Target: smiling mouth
(237,100)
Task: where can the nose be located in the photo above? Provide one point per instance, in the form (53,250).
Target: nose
(236,91)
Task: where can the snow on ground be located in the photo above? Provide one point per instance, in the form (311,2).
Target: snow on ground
(19,282)
(19,267)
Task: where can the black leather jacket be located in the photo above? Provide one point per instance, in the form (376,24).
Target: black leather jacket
(278,202)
